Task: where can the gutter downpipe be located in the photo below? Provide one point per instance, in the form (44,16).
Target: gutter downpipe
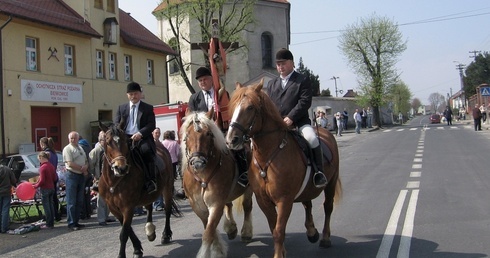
(2,117)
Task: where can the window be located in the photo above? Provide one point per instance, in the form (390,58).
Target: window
(69,57)
(127,68)
(266,41)
(149,71)
(111,6)
(31,54)
(99,4)
(99,64)
(173,66)
(112,66)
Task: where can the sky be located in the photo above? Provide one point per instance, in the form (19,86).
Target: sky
(440,35)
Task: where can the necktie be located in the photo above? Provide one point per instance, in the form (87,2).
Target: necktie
(133,115)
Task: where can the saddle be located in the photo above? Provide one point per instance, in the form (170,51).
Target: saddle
(305,147)
(137,157)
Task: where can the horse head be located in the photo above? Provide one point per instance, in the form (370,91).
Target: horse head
(116,149)
(202,140)
(249,106)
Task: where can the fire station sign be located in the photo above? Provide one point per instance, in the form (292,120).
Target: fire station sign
(51,91)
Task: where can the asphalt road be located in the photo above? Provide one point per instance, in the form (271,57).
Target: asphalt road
(414,190)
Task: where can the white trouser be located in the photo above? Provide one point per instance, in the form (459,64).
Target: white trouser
(309,134)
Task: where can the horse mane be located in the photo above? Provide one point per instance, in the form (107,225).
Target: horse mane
(219,138)
(260,101)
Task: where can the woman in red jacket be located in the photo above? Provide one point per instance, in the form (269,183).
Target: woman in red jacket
(47,182)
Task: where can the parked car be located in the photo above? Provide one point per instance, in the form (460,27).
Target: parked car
(435,119)
(28,165)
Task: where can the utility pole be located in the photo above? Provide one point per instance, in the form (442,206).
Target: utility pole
(460,67)
(336,91)
(474,52)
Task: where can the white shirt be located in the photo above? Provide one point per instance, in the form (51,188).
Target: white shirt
(208,97)
(285,80)
(132,127)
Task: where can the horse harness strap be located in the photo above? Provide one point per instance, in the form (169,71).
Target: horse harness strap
(204,184)
(263,171)
(110,162)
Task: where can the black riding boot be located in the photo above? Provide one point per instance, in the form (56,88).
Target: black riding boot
(241,160)
(319,179)
(150,184)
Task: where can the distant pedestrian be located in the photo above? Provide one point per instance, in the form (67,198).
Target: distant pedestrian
(483,111)
(47,183)
(345,118)
(400,118)
(77,171)
(448,114)
(322,120)
(7,181)
(338,118)
(364,118)
(477,118)
(369,117)
(358,120)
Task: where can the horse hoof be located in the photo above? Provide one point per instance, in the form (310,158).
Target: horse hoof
(232,235)
(314,238)
(325,243)
(246,239)
(166,240)
(138,254)
(152,237)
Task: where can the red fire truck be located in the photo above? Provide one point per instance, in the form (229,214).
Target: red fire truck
(169,116)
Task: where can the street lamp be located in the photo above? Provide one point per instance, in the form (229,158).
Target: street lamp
(336,91)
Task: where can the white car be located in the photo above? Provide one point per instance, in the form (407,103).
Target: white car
(31,162)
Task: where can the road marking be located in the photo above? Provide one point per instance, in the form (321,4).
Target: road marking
(384,249)
(417,160)
(417,166)
(419,155)
(415,174)
(420,150)
(407,232)
(413,184)
(413,129)
(399,130)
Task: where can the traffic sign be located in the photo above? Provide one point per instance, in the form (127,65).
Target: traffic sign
(485,91)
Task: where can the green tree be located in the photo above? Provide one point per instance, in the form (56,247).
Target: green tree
(372,47)
(399,94)
(477,72)
(325,93)
(314,79)
(234,17)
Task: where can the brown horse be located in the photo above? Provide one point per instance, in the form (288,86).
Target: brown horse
(279,175)
(121,186)
(210,183)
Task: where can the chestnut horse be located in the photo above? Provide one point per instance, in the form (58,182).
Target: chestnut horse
(279,175)
(121,186)
(210,183)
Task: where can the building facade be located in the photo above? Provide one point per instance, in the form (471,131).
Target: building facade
(254,59)
(66,64)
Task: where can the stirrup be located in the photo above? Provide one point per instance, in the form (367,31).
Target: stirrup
(243,179)
(319,179)
(151,187)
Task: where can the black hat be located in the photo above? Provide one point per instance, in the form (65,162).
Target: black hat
(202,71)
(284,54)
(133,86)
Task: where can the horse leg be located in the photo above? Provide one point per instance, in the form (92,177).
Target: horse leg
(229,226)
(329,191)
(138,249)
(247,228)
(311,231)
(127,232)
(212,244)
(168,206)
(150,227)
(283,212)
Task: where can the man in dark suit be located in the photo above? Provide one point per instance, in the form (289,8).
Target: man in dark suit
(139,122)
(292,94)
(203,101)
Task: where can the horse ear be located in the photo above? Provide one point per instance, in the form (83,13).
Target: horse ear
(210,113)
(259,86)
(238,85)
(102,126)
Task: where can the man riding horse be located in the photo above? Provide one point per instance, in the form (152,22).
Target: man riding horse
(203,101)
(139,123)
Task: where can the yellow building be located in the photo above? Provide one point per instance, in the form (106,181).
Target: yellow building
(67,63)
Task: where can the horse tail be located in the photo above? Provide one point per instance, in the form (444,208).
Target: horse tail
(338,191)
(238,204)
(176,209)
